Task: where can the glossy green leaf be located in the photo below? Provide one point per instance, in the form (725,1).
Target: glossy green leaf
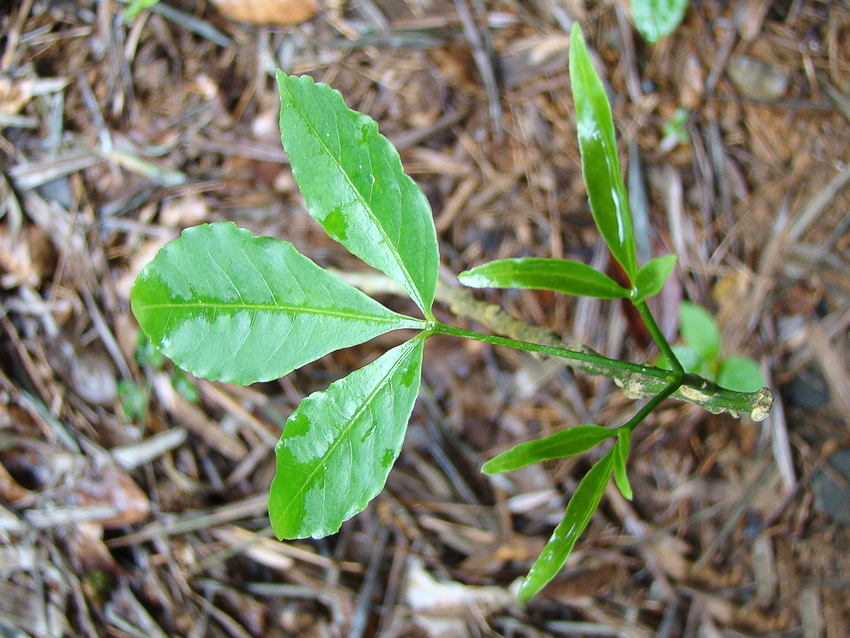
(741,374)
(651,277)
(228,306)
(656,18)
(579,511)
(339,445)
(599,160)
(559,445)
(621,454)
(699,330)
(354,185)
(561,275)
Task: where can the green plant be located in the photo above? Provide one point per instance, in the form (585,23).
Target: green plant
(134,398)
(135,7)
(676,126)
(229,306)
(656,18)
(700,352)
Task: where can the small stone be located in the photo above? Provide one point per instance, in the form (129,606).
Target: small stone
(807,390)
(832,487)
(756,79)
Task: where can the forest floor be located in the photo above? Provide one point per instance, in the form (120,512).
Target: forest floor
(134,495)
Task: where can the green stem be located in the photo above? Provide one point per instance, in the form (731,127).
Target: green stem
(592,360)
(638,382)
(658,336)
(673,378)
(653,403)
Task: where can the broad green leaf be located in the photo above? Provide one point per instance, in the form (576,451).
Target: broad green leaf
(561,275)
(621,453)
(651,277)
(354,185)
(228,306)
(599,161)
(560,445)
(699,330)
(338,447)
(579,510)
(656,18)
(741,374)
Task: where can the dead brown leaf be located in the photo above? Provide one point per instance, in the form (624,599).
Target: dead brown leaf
(267,11)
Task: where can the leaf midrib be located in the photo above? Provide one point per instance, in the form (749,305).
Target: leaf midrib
(412,287)
(345,432)
(410,322)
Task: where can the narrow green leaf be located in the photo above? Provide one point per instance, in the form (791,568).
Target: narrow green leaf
(339,445)
(741,374)
(579,511)
(621,453)
(136,7)
(699,330)
(656,18)
(228,306)
(354,185)
(561,275)
(560,445)
(651,277)
(599,161)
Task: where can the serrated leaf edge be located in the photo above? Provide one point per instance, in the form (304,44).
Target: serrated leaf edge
(416,342)
(409,284)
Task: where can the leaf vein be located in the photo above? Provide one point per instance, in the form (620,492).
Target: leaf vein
(413,288)
(345,430)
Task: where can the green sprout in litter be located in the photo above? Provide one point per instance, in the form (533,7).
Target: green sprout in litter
(656,18)
(700,351)
(228,306)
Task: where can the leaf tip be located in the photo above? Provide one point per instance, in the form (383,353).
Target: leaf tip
(472,279)
(490,467)
(576,32)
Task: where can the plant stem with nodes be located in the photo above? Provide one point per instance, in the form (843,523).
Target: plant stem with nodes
(637,381)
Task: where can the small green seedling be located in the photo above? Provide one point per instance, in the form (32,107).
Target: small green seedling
(135,7)
(232,307)
(656,18)
(700,352)
(676,127)
(134,398)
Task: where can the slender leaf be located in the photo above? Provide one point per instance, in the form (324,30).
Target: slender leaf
(621,453)
(699,330)
(651,277)
(579,510)
(561,275)
(599,161)
(656,18)
(741,374)
(136,7)
(339,445)
(228,306)
(560,445)
(354,185)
